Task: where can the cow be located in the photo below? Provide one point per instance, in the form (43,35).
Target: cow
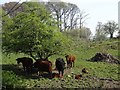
(44,66)
(60,66)
(55,75)
(70,60)
(26,63)
(84,71)
(78,76)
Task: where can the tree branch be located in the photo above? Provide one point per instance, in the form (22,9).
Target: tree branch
(11,10)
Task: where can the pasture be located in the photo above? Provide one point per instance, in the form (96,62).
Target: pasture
(101,74)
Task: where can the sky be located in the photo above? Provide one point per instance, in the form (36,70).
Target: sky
(98,10)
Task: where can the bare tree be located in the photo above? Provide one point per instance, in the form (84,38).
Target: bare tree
(73,16)
(65,14)
(83,16)
(57,11)
(110,28)
(100,33)
(12,8)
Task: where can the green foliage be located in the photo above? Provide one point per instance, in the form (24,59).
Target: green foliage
(34,32)
(100,33)
(83,33)
(6,20)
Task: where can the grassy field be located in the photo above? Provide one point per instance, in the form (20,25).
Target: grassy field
(101,74)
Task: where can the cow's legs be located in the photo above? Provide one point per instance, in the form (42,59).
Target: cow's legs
(50,74)
(62,72)
(24,68)
(68,64)
(73,64)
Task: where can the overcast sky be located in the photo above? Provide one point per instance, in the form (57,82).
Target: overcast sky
(98,10)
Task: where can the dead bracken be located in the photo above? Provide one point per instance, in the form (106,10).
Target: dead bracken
(105,57)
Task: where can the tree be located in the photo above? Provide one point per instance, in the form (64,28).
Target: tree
(66,14)
(84,33)
(73,16)
(12,8)
(34,33)
(6,20)
(110,28)
(100,33)
(118,34)
(82,17)
(57,11)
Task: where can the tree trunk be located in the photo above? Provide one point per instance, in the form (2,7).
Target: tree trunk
(111,35)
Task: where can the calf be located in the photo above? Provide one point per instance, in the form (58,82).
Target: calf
(78,76)
(70,60)
(84,71)
(55,75)
(60,66)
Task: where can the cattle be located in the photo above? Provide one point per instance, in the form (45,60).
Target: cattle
(78,76)
(60,66)
(70,60)
(55,75)
(44,66)
(84,71)
(26,63)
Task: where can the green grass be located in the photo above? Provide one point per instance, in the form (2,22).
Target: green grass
(12,76)
(11,58)
(99,69)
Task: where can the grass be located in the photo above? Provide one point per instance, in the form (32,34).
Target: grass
(13,77)
(99,69)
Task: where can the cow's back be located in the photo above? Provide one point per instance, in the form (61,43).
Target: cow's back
(60,63)
(26,61)
(43,65)
(70,58)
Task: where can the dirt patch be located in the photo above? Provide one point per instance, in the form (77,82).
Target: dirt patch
(105,57)
(104,82)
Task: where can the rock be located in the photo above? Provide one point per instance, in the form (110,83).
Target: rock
(104,57)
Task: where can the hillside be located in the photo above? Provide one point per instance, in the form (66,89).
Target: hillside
(100,73)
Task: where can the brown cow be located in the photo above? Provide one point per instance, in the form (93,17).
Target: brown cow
(78,76)
(44,66)
(55,75)
(26,62)
(70,60)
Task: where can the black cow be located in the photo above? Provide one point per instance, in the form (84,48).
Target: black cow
(60,66)
(26,62)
